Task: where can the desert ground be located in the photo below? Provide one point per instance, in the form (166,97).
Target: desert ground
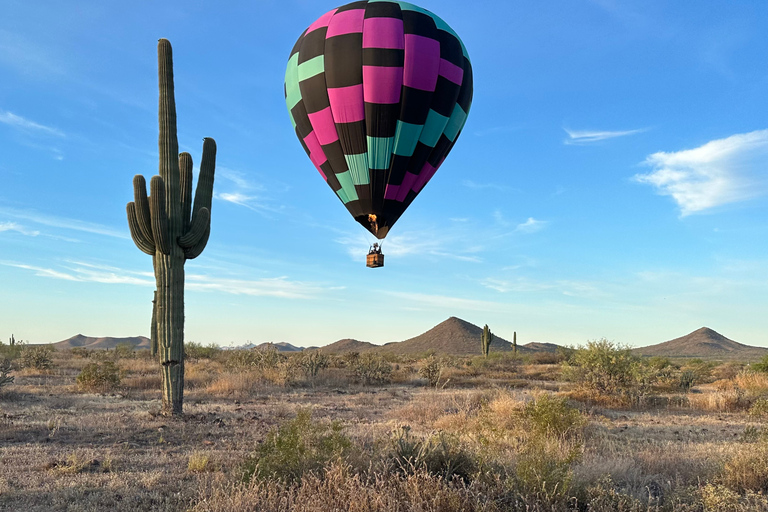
(81,430)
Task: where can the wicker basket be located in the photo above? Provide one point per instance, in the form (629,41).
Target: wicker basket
(375,260)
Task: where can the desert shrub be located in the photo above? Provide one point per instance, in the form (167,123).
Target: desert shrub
(686,380)
(761,366)
(440,455)
(546,358)
(311,362)
(549,415)
(747,469)
(38,357)
(5,373)
(431,369)
(194,350)
(603,366)
(371,369)
(300,446)
(257,358)
(124,351)
(101,376)
(80,352)
(759,408)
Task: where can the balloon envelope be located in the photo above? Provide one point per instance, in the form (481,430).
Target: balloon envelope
(378,92)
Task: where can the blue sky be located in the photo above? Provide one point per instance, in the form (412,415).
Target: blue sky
(611,179)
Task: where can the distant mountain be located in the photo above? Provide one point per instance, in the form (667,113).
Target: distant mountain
(281,346)
(348,345)
(704,343)
(453,336)
(540,346)
(79,340)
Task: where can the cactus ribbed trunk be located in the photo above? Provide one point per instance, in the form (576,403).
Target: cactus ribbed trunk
(169,275)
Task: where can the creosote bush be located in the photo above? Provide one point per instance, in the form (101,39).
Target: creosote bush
(603,366)
(194,350)
(431,369)
(102,376)
(300,446)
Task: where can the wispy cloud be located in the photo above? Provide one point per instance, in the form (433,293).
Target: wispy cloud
(63,222)
(243,192)
(445,303)
(78,271)
(13,226)
(720,172)
(431,242)
(578,137)
(15,121)
(280,287)
(484,186)
(531,225)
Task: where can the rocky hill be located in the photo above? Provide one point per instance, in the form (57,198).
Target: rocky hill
(453,336)
(89,342)
(704,343)
(348,345)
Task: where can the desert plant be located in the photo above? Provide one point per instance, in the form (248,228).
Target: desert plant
(38,357)
(254,359)
(311,362)
(124,351)
(514,342)
(486,340)
(5,373)
(372,369)
(169,228)
(300,446)
(440,455)
(12,341)
(99,376)
(602,365)
(194,350)
(431,369)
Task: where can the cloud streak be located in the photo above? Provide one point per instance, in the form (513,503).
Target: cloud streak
(63,222)
(13,226)
(11,119)
(720,172)
(580,137)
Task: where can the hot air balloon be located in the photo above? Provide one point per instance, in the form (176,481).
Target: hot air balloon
(378,92)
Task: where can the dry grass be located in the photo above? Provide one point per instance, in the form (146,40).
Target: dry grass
(62,449)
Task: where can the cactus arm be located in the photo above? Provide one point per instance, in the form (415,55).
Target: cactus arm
(159,217)
(204,192)
(146,245)
(142,206)
(195,251)
(185,170)
(201,224)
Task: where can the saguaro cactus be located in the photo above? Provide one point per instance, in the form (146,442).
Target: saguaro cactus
(514,342)
(171,229)
(486,340)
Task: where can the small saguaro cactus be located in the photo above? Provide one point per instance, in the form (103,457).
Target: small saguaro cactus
(12,341)
(486,340)
(170,228)
(514,342)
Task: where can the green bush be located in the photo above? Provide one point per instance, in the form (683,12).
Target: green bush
(101,377)
(299,446)
(371,369)
(761,366)
(39,357)
(551,416)
(604,366)
(194,350)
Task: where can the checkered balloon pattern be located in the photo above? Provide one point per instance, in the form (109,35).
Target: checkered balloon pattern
(378,92)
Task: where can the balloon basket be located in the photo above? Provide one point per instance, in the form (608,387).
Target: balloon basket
(375,260)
